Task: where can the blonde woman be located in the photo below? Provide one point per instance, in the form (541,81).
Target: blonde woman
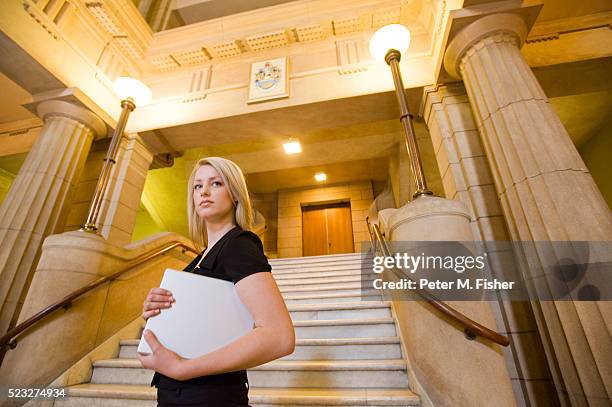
(220,218)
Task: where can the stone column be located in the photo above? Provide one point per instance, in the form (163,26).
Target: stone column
(466,177)
(36,204)
(545,190)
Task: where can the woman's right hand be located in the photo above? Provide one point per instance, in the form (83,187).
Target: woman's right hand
(157,299)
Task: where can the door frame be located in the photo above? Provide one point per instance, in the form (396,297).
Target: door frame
(328,203)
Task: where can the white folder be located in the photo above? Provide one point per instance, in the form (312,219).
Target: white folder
(207,315)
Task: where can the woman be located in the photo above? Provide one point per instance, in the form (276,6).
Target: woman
(220,216)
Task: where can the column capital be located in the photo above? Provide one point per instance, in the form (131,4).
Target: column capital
(55,108)
(502,27)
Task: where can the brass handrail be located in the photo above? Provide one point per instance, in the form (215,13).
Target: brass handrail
(66,302)
(472,329)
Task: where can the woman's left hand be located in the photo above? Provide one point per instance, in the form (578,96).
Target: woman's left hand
(162,359)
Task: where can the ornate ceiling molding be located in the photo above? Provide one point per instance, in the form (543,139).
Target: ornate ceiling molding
(49,14)
(553,30)
(122,24)
(245,34)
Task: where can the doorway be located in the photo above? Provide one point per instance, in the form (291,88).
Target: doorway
(327,229)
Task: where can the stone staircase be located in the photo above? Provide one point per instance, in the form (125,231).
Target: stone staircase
(347,351)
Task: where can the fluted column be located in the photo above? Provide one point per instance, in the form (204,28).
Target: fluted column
(545,190)
(467,178)
(37,202)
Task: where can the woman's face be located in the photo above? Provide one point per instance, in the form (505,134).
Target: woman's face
(211,197)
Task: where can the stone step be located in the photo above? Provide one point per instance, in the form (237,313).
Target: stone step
(347,348)
(330,373)
(340,310)
(323,281)
(344,310)
(114,395)
(309,397)
(317,274)
(319,349)
(345,328)
(331,297)
(347,310)
(307,268)
(279,373)
(317,259)
(339,288)
(307,285)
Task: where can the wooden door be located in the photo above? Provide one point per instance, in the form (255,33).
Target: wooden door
(327,230)
(339,230)
(314,240)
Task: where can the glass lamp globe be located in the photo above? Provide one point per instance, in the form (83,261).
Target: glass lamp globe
(126,87)
(392,36)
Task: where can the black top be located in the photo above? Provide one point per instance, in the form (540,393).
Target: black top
(238,254)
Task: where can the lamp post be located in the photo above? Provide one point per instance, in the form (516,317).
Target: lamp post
(387,44)
(131,92)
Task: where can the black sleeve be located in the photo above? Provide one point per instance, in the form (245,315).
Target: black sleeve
(244,256)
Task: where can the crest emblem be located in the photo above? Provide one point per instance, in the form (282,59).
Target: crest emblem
(267,76)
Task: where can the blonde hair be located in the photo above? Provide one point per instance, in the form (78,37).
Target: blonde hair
(233,178)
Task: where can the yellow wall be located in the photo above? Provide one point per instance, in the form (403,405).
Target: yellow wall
(596,156)
(6,179)
(145,226)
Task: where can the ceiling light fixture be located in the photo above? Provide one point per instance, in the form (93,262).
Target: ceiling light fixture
(320,176)
(292,147)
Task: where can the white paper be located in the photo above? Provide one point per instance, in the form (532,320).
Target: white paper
(207,315)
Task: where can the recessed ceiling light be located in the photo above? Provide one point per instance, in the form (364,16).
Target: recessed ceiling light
(292,147)
(320,176)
